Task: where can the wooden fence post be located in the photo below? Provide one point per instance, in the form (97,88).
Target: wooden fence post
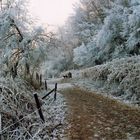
(39,107)
(40,79)
(46,87)
(55,90)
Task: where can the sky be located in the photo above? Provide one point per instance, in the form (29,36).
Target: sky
(52,12)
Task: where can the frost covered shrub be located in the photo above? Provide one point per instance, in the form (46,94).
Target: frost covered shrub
(123,73)
(20,119)
(16,102)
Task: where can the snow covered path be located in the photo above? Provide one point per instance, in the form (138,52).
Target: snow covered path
(91,116)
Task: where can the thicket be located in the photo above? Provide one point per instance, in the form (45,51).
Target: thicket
(23,48)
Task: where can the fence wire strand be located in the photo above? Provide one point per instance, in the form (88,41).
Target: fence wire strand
(1,132)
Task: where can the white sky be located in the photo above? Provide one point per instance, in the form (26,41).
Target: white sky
(54,12)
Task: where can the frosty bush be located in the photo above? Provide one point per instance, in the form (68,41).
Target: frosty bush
(120,76)
(20,119)
(16,102)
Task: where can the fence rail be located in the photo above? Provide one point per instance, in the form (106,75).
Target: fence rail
(38,102)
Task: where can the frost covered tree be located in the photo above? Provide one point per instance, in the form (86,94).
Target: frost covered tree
(117,37)
(22,44)
(81,27)
(82,24)
(114,38)
(59,54)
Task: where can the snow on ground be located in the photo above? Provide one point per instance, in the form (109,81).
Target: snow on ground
(61,86)
(54,80)
(55,116)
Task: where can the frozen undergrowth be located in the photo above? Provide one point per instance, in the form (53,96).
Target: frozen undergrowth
(120,78)
(17,105)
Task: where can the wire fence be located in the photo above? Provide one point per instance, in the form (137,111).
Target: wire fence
(34,112)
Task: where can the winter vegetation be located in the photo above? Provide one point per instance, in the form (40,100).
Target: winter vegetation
(23,48)
(100,42)
(20,119)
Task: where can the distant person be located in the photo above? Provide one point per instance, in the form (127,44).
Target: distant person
(69,75)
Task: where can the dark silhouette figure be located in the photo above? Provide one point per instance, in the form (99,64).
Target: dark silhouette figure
(69,75)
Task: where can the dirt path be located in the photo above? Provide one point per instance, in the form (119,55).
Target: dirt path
(93,117)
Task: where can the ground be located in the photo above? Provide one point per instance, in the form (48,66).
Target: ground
(91,116)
